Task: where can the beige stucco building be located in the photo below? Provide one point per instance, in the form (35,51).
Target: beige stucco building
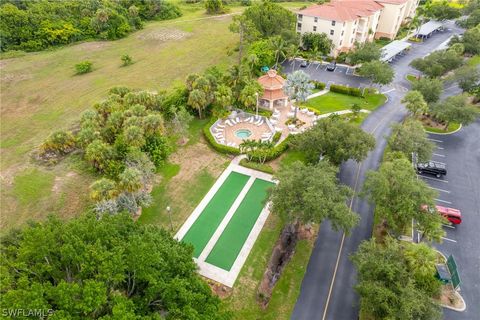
(348,21)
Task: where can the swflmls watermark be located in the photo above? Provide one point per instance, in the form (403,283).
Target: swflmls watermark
(16,313)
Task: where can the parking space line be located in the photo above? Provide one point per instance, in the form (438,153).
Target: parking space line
(388,91)
(441,190)
(434,179)
(448,239)
(439,148)
(444,201)
(448,226)
(318,66)
(439,155)
(436,140)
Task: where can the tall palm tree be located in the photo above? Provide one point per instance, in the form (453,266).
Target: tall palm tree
(252,61)
(279,47)
(130,180)
(197,100)
(298,87)
(292,52)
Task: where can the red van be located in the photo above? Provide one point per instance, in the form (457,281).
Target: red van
(452,215)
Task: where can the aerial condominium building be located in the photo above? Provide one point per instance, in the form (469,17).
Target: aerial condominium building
(348,21)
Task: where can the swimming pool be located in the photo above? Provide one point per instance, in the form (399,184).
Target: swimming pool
(243,133)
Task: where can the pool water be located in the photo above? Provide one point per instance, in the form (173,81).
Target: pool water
(243,133)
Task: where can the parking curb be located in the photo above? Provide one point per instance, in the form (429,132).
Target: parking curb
(443,134)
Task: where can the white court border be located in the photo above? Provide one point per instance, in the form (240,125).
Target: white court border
(206,269)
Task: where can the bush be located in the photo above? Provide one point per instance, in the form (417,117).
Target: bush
(126,60)
(276,137)
(59,143)
(83,67)
(256,166)
(352,91)
(319,85)
(274,152)
(217,146)
(158,148)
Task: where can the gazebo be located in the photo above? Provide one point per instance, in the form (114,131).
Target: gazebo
(273,94)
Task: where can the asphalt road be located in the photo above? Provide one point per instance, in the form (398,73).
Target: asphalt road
(327,288)
(460,189)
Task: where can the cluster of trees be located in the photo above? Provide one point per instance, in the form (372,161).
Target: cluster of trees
(367,55)
(264,42)
(36,25)
(397,280)
(439,10)
(112,268)
(439,62)
(124,139)
(217,91)
(472,10)
(316,45)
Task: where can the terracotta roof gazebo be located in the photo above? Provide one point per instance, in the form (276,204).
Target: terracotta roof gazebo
(273,93)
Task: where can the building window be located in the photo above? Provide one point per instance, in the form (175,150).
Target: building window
(315,19)
(299,25)
(314,28)
(351,40)
(332,32)
(333,23)
(342,32)
(341,42)
(300,16)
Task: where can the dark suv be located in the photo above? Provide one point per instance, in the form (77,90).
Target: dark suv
(436,168)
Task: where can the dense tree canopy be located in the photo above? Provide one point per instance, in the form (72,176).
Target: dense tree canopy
(470,40)
(311,193)
(377,71)
(415,103)
(270,19)
(438,63)
(410,137)
(317,42)
(399,196)
(396,280)
(431,89)
(364,52)
(111,268)
(455,109)
(35,25)
(336,140)
(467,77)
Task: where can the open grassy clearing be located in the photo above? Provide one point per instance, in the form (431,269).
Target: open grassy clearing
(40,93)
(332,101)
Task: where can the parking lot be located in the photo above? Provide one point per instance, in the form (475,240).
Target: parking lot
(460,189)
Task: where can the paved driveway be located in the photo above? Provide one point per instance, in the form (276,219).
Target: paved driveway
(327,288)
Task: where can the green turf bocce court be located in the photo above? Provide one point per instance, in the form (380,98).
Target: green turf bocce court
(226,223)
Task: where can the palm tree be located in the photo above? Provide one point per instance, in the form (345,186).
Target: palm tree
(252,61)
(224,96)
(103,189)
(152,124)
(197,100)
(249,92)
(298,87)
(279,47)
(130,180)
(134,136)
(98,153)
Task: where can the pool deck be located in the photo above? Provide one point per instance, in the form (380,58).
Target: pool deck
(206,269)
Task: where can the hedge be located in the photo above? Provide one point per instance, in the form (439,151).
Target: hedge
(217,146)
(352,91)
(319,85)
(256,166)
(276,137)
(276,151)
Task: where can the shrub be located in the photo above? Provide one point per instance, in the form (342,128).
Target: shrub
(274,152)
(217,146)
(346,90)
(319,85)
(256,166)
(276,137)
(83,67)
(158,148)
(127,60)
(59,143)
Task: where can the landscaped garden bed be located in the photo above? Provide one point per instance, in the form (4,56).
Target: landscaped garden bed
(432,125)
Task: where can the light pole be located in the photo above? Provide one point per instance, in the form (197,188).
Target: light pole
(256,109)
(169,211)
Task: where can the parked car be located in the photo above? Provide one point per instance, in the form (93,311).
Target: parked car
(331,66)
(452,215)
(431,167)
(304,64)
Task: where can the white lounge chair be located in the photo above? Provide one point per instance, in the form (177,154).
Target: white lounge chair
(304,110)
(277,129)
(228,122)
(310,113)
(218,130)
(221,125)
(260,123)
(237,119)
(252,120)
(291,127)
(290,114)
(272,121)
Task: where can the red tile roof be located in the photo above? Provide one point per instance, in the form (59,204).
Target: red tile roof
(344,10)
(392,1)
(271,80)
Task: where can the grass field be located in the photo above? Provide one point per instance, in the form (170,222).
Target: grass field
(40,93)
(231,241)
(204,227)
(332,101)
(451,127)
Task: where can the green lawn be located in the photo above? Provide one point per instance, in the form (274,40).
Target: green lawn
(473,61)
(451,127)
(32,185)
(332,101)
(411,77)
(40,93)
